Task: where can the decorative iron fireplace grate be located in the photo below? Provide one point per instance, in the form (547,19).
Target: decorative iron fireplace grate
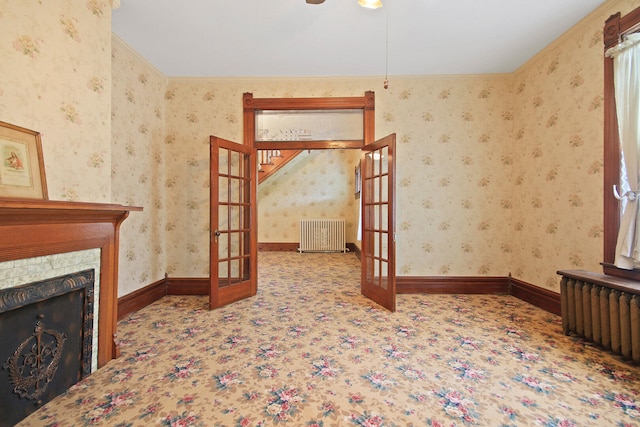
(46,330)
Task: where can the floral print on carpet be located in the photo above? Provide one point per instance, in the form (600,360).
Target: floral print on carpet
(310,350)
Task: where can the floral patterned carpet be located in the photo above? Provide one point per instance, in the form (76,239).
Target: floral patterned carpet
(309,350)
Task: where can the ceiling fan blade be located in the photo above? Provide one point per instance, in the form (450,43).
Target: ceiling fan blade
(315,1)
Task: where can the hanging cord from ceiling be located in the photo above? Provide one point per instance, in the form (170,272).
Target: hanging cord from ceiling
(386,50)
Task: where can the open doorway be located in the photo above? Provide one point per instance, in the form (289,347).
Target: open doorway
(300,124)
(316,184)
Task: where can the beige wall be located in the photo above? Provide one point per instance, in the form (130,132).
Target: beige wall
(453,169)
(199,107)
(138,166)
(55,78)
(496,173)
(557,170)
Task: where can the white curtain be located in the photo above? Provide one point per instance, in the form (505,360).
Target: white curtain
(359,232)
(626,65)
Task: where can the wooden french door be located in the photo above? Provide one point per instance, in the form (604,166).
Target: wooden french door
(233,244)
(378,281)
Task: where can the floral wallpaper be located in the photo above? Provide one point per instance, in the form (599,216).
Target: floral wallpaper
(137,170)
(447,221)
(496,174)
(479,160)
(453,168)
(557,219)
(55,78)
(200,107)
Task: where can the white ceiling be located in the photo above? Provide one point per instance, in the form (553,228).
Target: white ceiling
(289,38)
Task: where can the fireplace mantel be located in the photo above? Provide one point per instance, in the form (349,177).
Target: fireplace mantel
(33,228)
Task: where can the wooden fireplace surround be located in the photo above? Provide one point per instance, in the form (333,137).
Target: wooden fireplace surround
(33,228)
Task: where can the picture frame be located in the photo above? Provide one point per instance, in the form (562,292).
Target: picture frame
(22,172)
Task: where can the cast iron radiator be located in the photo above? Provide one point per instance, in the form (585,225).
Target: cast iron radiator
(322,235)
(602,309)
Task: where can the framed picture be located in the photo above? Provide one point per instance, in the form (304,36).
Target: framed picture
(21,164)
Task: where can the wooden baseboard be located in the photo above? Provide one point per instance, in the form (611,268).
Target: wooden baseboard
(535,295)
(141,298)
(151,293)
(293,247)
(188,286)
(451,285)
(355,249)
(279,247)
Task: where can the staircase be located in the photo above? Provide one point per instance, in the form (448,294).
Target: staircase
(270,161)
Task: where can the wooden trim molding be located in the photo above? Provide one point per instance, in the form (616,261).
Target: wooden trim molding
(293,247)
(309,145)
(33,228)
(365,103)
(501,285)
(278,247)
(352,247)
(614,28)
(151,293)
(451,285)
(535,295)
(611,149)
(188,286)
(141,298)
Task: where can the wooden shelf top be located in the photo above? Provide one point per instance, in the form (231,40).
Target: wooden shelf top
(606,280)
(12,203)
(26,211)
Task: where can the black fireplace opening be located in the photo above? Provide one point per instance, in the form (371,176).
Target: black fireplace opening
(46,331)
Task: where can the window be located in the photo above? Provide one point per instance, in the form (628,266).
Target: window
(616,28)
(308,123)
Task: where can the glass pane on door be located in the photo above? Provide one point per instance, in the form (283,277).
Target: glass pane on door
(378,275)
(233,212)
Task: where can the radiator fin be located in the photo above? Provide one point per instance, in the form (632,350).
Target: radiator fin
(607,317)
(635,328)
